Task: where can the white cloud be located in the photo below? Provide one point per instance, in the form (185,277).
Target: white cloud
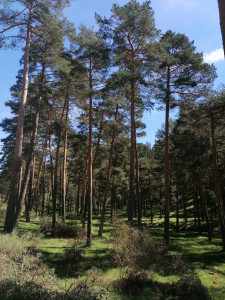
(214,56)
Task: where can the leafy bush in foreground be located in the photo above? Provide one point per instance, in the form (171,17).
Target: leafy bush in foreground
(24,276)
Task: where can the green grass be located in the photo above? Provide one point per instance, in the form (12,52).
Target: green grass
(204,258)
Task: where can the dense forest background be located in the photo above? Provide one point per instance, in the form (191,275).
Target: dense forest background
(71,151)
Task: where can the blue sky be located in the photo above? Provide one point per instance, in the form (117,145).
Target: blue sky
(198,19)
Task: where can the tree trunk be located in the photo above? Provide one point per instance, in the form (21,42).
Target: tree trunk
(113,202)
(197,204)
(108,177)
(221,4)
(177,208)
(202,195)
(30,192)
(89,223)
(132,149)
(64,171)
(217,181)
(51,155)
(98,141)
(34,196)
(43,188)
(166,165)
(54,193)
(12,207)
(137,181)
(31,153)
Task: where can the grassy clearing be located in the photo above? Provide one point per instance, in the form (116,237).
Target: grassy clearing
(72,260)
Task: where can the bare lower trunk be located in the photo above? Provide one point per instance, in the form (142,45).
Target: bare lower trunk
(166,178)
(202,195)
(138,200)
(30,193)
(54,193)
(108,177)
(132,150)
(89,223)
(43,189)
(64,171)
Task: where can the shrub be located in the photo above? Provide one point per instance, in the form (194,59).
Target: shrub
(133,283)
(9,290)
(20,267)
(190,287)
(135,249)
(74,253)
(12,245)
(68,231)
(83,291)
(3,207)
(24,276)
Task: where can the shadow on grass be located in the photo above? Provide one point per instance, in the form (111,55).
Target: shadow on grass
(76,265)
(188,287)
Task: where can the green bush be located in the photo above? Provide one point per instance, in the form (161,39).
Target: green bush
(24,276)
(21,267)
(3,207)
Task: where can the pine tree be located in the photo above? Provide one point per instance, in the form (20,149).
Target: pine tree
(27,21)
(94,53)
(131,27)
(181,76)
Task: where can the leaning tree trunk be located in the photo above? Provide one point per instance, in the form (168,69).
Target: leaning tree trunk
(221,4)
(108,177)
(17,160)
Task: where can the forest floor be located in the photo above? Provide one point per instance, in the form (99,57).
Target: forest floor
(72,260)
